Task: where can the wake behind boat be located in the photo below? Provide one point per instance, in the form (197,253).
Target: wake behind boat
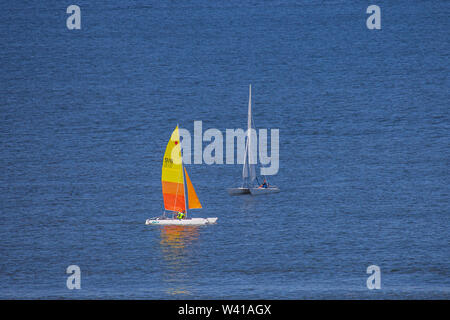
(178,192)
(248,169)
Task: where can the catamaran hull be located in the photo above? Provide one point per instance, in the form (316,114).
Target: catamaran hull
(182,222)
(261,191)
(238,191)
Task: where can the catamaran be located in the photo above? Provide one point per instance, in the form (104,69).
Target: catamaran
(178,192)
(248,169)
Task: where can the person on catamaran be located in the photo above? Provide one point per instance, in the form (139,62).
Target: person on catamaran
(264,184)
(180,215)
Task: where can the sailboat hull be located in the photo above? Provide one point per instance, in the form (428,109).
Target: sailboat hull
(238,191)
(182,222)
(261,191)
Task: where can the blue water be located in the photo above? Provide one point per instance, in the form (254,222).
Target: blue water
(364,148)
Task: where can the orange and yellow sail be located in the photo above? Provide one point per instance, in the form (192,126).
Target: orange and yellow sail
(193,201)
(172,178)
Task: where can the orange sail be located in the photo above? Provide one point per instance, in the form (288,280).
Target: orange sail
(172,175)
(193,201)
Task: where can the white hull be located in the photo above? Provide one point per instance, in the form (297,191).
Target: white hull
(238,191)
(182,222)
(260,191)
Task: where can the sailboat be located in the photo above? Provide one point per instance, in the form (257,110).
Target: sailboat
(178,192)
(248,169)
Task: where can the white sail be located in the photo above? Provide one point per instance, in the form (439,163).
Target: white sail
(248,170)
(250,161)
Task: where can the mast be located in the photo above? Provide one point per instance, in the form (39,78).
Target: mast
(249,121)
(246,166)
(184,181)
(244,172)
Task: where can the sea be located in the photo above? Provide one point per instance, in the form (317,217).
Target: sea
(364,149)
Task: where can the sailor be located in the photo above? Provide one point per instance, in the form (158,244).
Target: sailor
(264,185)
(180,215)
